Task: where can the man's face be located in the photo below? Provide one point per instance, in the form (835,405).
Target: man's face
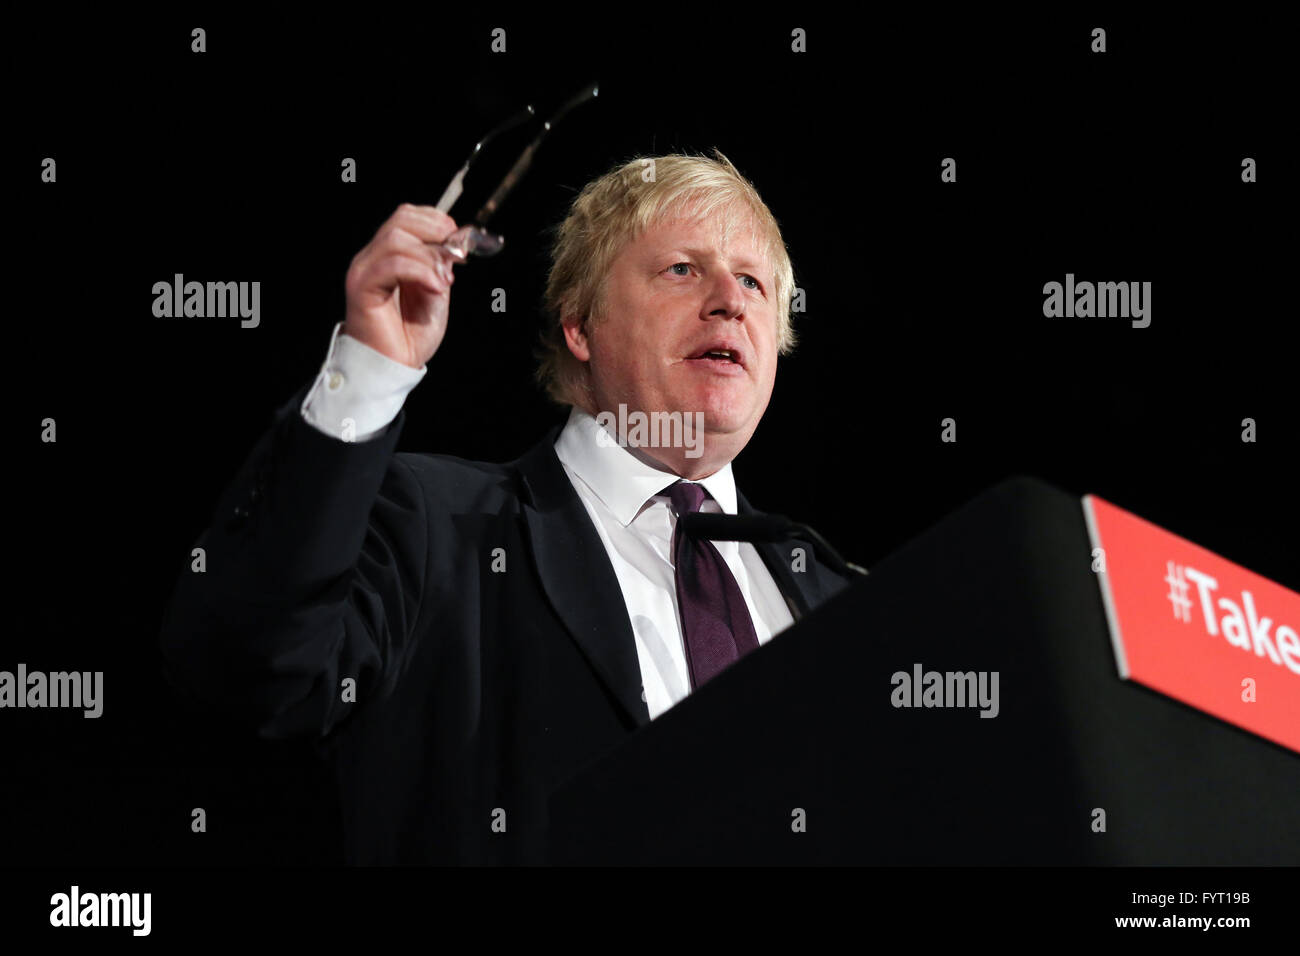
(675,294)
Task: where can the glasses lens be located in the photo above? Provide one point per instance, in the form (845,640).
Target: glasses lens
(484,243)
(473,240)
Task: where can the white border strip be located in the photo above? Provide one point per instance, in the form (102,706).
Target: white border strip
(1112,619)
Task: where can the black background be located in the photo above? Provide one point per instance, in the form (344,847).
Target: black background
(924,301)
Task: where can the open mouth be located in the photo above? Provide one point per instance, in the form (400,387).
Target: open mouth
(717,355)
(718,361)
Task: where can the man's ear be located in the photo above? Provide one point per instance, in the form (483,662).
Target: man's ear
(575,336)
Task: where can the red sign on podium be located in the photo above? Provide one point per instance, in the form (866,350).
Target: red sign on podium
(1196,627)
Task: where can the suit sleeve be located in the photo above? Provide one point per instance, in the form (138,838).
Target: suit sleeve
(315,569)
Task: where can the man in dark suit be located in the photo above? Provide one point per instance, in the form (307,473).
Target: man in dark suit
(457,637)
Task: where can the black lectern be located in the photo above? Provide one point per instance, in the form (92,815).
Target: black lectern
(819,748)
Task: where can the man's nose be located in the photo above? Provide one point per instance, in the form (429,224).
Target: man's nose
(726,298)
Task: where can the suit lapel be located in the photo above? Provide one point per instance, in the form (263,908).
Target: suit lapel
(577,576)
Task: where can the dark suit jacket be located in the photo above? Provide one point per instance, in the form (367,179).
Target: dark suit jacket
(476,690)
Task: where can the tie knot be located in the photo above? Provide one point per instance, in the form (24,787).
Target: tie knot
(687,497)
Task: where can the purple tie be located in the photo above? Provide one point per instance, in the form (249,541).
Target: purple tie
(715,620)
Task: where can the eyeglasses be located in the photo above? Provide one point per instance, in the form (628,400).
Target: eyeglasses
(473,238)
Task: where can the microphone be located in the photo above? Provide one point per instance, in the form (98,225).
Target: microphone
(767,527)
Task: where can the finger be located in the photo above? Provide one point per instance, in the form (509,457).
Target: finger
(385,274)
(399,240)
(427,222)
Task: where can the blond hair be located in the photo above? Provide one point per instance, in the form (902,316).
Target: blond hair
(617,209)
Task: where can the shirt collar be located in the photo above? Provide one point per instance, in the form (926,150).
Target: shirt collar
(621,480)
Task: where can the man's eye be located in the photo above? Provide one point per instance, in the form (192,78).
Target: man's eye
(756,287)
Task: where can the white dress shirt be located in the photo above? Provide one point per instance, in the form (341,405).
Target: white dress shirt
(359,391)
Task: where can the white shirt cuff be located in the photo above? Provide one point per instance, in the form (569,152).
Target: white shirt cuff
(359,391)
